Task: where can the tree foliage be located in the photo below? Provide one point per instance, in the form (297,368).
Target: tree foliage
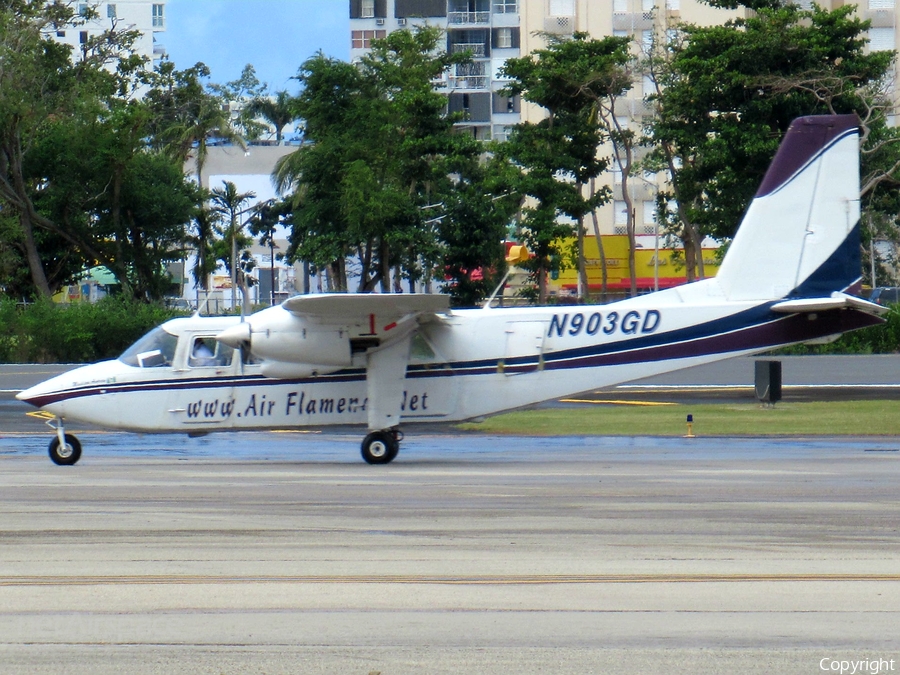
(728,93)
(559,155)
(379,150)
(78,185)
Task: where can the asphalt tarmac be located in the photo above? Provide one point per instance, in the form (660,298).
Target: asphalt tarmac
(285,553)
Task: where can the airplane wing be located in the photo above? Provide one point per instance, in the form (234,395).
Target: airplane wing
(338,307)
(836,301)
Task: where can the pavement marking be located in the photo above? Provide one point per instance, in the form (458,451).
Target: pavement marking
(616,402)
(748,387)
(454,580)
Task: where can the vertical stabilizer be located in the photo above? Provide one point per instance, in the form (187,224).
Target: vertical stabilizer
(800,235)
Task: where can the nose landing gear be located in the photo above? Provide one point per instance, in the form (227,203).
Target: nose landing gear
(64,449)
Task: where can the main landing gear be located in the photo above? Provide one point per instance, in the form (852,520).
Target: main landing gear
(380,447)
(65,449)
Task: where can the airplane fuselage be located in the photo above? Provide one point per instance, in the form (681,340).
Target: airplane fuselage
(466,364)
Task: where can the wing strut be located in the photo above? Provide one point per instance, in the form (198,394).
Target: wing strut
(385,381)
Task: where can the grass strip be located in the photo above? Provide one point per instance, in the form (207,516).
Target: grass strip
(825,418)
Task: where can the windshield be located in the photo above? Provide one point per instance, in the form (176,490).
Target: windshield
(154,350)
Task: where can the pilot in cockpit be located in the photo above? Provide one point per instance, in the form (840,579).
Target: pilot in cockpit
(202,353)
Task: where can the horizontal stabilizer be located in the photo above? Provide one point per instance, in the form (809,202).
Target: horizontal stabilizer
(836,301)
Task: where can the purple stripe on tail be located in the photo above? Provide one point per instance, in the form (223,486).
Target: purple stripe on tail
(805,138)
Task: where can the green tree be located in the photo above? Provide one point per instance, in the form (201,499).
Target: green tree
(381,149)
(232,204)
(559,155)
(185,116)
(472,227)
(278,111)
(40,83)
(122,205)
(78,184)
(728,93)
(205,226)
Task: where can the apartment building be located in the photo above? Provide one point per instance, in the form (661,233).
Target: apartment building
(149,18)
(489,29)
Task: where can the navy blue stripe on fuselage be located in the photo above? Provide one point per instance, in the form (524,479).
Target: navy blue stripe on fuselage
(752,329)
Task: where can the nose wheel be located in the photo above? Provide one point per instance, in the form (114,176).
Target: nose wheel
(380,447)
(66,452)
(65,449)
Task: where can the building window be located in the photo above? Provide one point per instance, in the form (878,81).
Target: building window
(159,20)
(414,8)
(501,132)
(621,215)
(83,9)
(620,6)
(881,4)
(649,216)
(506,104)
(505,38)
(367,11)
(562,7)
(60,33)
(83,37)
(506,6)
(110,11)
(362,39)
(881,39)
(673,5)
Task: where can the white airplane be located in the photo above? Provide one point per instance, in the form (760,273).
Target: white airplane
(380,360)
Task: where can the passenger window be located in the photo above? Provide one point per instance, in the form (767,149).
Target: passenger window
(421,351)
(206,351)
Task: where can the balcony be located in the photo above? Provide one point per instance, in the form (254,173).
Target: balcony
(559,25)
(458,18)
(477,48)
(469,82)
(470,76)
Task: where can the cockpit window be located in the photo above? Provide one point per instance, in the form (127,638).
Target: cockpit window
(206,351)
(154,350)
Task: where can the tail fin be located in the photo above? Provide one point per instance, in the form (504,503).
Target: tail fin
(800,236)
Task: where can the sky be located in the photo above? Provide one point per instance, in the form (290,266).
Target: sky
(275,36)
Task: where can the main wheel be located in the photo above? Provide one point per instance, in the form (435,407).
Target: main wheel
(380,447)
(68,453)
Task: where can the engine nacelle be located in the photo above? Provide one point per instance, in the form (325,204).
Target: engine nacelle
(275,334)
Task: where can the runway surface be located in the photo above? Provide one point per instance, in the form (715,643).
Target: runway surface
(284,553)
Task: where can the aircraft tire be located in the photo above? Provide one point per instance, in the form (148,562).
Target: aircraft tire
(67,455)
(380,447)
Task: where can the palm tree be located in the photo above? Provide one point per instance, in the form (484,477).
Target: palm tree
(230,203)
(209,120)
(279,111)
(205,221)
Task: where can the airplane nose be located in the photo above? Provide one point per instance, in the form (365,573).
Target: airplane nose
(235,336)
